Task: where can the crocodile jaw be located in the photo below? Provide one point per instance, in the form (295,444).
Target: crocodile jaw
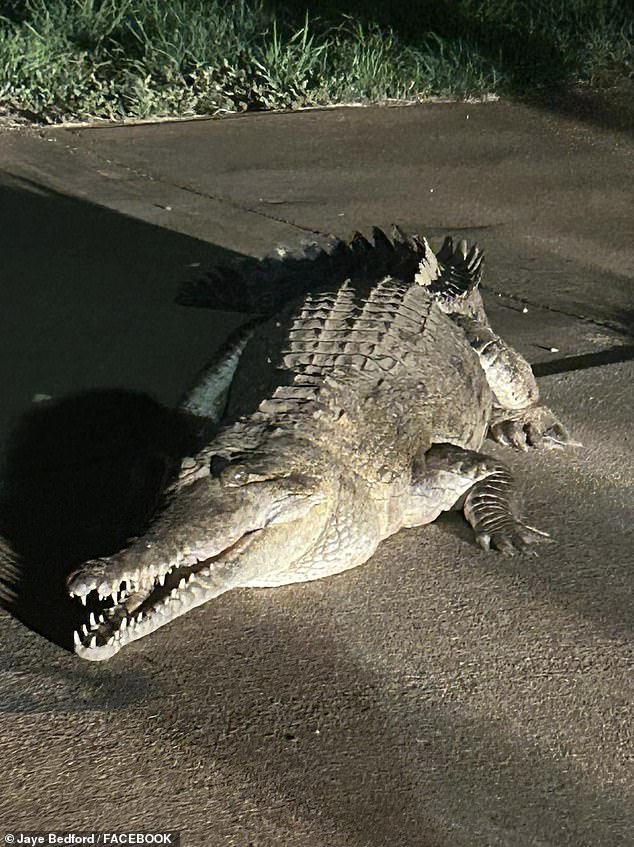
(202,545)
(151,603)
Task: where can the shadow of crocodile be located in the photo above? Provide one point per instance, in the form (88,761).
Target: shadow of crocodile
(82,475)
(84,291)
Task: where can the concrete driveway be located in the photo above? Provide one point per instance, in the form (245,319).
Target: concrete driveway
(435,696)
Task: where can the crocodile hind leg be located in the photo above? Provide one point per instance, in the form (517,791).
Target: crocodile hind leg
(519,420)
(449,477)
(533,426)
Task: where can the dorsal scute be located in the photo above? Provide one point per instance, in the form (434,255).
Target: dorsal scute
(348,336)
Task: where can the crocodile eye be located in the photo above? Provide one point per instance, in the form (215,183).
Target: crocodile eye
(217,464)
(233,475)
(236,474)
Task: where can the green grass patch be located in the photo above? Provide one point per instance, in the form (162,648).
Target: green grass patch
(79,59)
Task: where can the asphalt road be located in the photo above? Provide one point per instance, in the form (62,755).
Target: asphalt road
(437,696)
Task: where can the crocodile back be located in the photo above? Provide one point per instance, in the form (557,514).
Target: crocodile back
(373,371)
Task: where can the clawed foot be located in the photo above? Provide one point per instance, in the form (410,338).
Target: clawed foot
(513,539)
(533,427)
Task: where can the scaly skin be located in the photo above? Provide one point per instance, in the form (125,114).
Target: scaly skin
(379,397)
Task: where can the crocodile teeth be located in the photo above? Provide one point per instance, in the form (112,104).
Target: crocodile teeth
(93,641)
(93,619)
(76,638)
(83,599)
(161,579)
(123,625)
(182,583)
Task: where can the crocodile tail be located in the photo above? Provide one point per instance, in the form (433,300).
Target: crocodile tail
(262,286)
(460,269)
(9,572)
(223,288)
(258,286)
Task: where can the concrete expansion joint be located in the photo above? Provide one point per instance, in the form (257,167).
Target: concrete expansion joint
(241,207)
(604,324)
(622,351)
(144,174)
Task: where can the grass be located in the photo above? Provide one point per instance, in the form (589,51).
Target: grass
(79,59)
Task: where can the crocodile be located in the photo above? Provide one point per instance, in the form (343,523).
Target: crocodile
(379,388)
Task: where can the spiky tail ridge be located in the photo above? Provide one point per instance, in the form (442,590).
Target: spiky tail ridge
(261,286)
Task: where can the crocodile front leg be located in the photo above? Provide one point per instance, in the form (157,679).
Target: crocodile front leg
(449,477)
(518,421)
